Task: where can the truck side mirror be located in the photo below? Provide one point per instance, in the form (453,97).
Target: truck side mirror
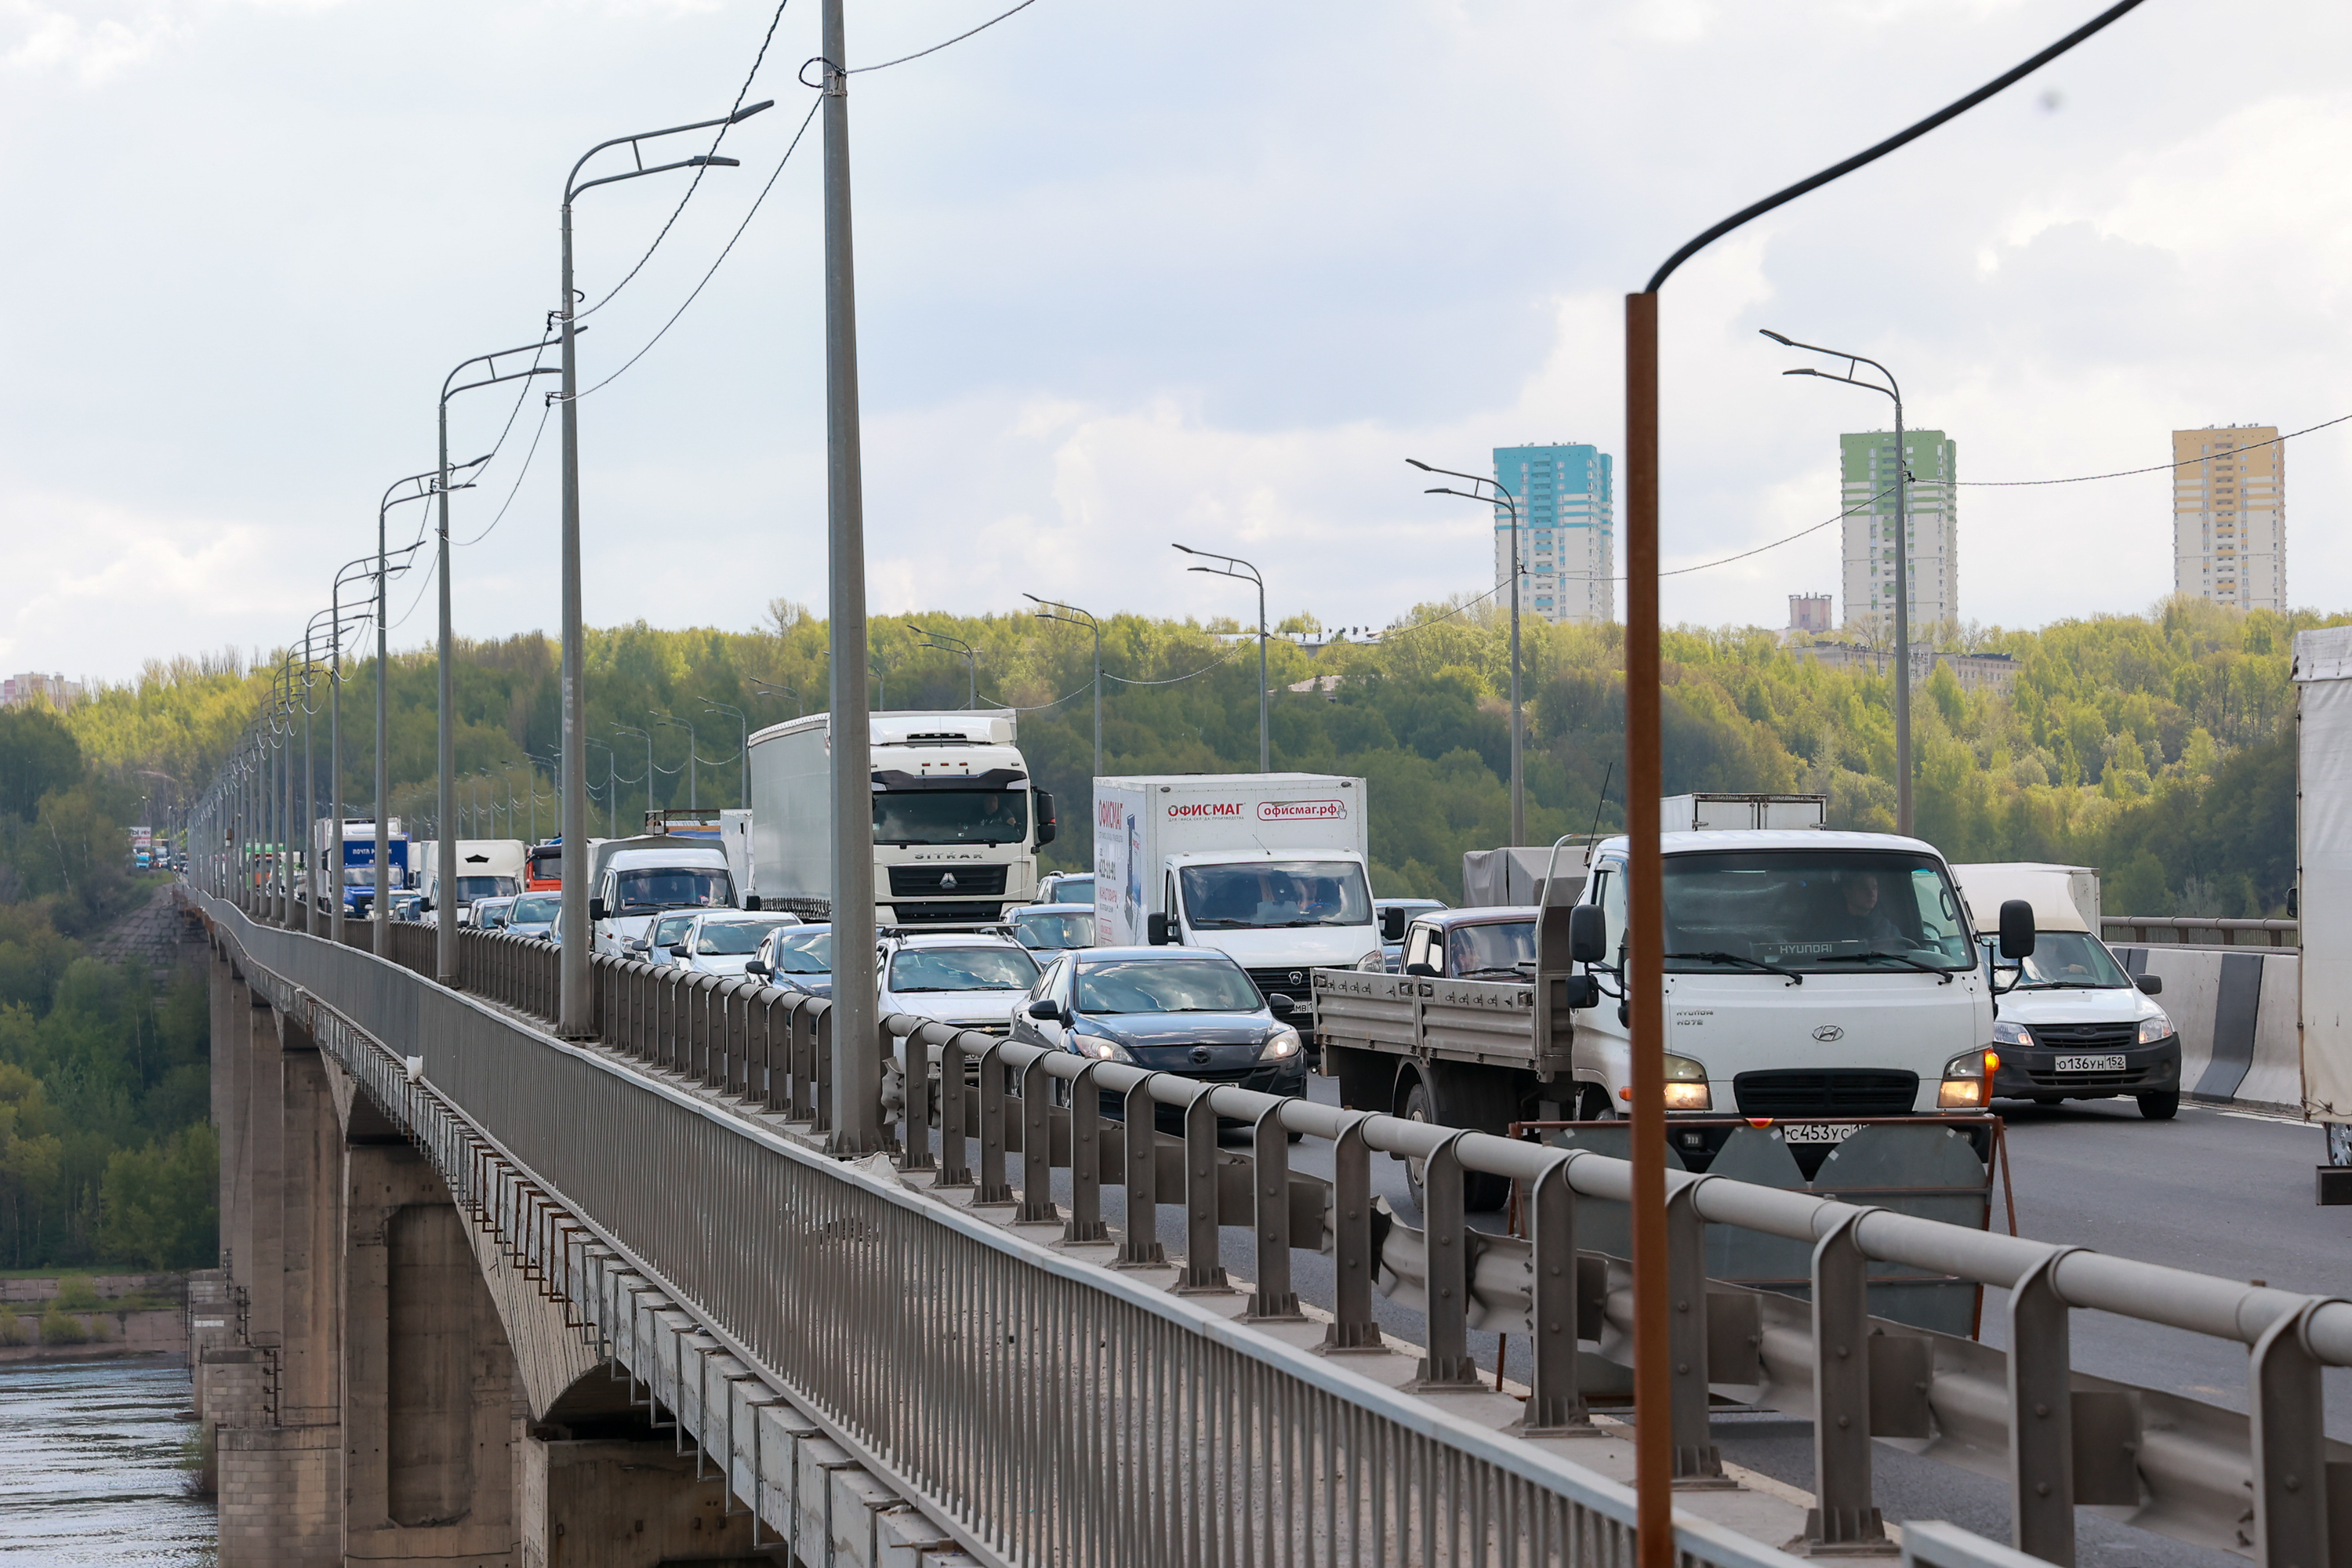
(2151,985)
(1581,991)
(1155,930)
(1392,924)
(2016,929)
(1421,971)
(1587,936)
(597,908)
(2293,903)
(1280,1005)
(1049,825)
(751,902)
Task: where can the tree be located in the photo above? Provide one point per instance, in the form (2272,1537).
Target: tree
(37,754)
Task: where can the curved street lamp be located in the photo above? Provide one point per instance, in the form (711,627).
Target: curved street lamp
(946,644)
(1070,614)
(1519,570)
(1235,567)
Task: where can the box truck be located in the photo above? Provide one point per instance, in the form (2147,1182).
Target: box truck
(355,877)
(487,868)
(957,821)
(2321,898)
(1269,869)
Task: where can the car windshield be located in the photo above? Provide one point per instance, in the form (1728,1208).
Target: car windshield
(672,930)
(1810,907)
(1075,890)
(952,817)
(803,954)
(539,910)
(917,969)
(2069,959)
(732,937)
(490,917)
(1166,985)
(672,888)
(1502,947)
(1272,894)
(472,887)
(1056,931)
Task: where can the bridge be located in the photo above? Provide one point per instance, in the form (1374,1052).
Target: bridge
(490,1295)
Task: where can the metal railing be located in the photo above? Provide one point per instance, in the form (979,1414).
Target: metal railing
(1042,1409)
(2199,930)
(882,1287)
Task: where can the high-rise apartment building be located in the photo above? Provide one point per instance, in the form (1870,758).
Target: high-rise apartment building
(2229,516)
(1867,466)
(1567,530)
(1809,612)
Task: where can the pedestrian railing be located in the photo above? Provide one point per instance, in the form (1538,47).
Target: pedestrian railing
(875,1305)
(2199,930)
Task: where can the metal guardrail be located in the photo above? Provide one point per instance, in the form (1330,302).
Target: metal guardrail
(2201,931)
(2059,1439)
(1043,1409)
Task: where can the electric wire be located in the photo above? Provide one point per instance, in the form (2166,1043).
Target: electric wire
(520,474)
(2155,469)
(816,101)
(935,49)
(696,183)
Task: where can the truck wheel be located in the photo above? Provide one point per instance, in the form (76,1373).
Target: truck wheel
(1416,1108)
(2160,1107)
(1480,1190)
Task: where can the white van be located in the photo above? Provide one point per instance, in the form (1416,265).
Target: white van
(2070,1023)
(636,880)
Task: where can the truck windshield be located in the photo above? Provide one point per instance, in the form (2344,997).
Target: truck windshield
(672,888)
(1264,895)
(1166,985)
(1503,947)
(546,864)
(365,876)
(952,817)
(2068,960)
(472,887)
(1813,908)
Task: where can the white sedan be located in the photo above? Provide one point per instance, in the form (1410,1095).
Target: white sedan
(973,981)
(720,942)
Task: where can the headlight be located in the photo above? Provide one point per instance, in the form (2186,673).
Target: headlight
(1102,1050)
(1687,1084)
(2005,1033)
(1282,1043)
(1375,961)
(2154,1029)
(1968,1078)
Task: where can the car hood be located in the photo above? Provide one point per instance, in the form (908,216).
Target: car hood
(2112,1004)
(529,928)
(720,963)
(1158,1031)
(993,1008)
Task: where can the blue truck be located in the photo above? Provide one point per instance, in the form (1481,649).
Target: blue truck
(357,873)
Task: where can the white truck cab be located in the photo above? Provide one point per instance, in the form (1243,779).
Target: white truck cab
(637,879)
(1808,973)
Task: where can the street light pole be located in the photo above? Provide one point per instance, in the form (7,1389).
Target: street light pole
(1657,1454)
(575,1014)
(743,756)
(693,799)
(445,793)
(778,689)
(1519,570)
(351,573)
(1055,610)
(1902,555)
(380,911)
(1247,573)
(947,644)
(856,1042)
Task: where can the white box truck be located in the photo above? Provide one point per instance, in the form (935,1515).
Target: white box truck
(1269,869)
(487,868)
(957,821)
(2321,899)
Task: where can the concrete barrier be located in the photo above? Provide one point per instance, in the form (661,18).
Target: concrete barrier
(2236,1011)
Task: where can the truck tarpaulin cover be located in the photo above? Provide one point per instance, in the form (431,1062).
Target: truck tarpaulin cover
(1492,877)
(2323,675)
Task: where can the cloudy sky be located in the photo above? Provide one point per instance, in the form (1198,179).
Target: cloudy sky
(1131,273)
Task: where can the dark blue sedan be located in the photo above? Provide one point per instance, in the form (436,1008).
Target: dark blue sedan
(1191,1011)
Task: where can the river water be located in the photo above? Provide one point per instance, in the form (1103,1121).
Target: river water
(90,1465)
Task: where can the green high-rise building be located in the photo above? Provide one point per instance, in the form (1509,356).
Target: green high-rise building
(1867,466)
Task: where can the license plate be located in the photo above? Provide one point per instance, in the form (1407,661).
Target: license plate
(2089,1064)
(1819,1132)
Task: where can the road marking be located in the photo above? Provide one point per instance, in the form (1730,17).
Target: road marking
(2269,1116)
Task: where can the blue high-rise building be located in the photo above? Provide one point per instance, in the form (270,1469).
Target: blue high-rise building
(1567,530)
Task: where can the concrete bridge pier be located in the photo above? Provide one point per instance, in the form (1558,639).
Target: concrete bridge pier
(379,1383)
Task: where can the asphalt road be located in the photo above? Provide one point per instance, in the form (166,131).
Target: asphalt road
(2218,1192)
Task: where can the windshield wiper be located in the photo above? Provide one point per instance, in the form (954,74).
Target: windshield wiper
(1493,969)
(1755,963)
(1942,975)
(2068,985)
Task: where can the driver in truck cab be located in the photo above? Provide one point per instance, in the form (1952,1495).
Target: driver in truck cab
(1863,920)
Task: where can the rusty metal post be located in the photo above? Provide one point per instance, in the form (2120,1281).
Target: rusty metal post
(1654,1456)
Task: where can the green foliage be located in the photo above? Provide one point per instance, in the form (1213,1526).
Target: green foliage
(37,754)
(12,1330)
(160,1203)
(77,1294)
(57,1328)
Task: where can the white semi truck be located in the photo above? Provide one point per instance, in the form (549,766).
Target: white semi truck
(1269,869)
(957,820)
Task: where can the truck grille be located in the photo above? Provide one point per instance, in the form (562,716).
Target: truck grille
(1296,983)
(927,881)
(1808,1092)
(2086,1037)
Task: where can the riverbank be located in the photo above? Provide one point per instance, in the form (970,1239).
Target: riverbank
(73,1317)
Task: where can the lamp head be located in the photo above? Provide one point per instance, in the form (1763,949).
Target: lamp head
(712,161)
(750,109)
(1806,370)
(1780,338)
(1185,548)
(1417,463)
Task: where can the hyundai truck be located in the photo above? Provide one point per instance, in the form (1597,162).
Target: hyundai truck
(1269,869)
(957,820)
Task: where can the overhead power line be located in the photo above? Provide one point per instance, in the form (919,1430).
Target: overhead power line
(935,49)
(2158,467)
